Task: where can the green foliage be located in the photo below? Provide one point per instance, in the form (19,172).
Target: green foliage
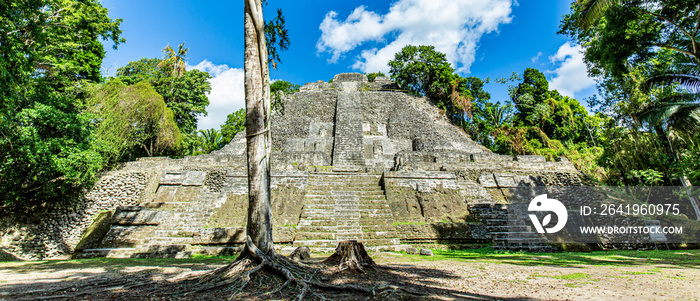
(279,88)
(211,140)
(486,118)
(647,177)
(185,95)
(174,60)
(132,121)
(632,33)
(276,39)
(372,76)
(424,71)
(50,51)
(647,58)
(560,117)
(542,122)
(235,122)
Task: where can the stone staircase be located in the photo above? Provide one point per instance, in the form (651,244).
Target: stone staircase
(163,228)
(509,229)
(348,148)
(344,206)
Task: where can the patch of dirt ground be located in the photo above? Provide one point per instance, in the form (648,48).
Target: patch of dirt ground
(448,279)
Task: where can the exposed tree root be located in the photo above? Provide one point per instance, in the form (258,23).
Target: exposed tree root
(271,274)
(96,287)
(238,275)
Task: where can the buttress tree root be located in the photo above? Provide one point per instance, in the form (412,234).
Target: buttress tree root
(252,262)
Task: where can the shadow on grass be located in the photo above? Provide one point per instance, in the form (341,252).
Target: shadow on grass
(679,258)
(146,279)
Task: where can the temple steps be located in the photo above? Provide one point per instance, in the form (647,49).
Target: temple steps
(343,206)
(508,230)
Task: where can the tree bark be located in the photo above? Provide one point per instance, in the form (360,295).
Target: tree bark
(351,255)
(258,140)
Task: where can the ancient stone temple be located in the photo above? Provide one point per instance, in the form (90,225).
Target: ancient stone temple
(351,159)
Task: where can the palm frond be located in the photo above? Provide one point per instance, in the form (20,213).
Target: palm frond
(682,116)
(688,80)
(593,11)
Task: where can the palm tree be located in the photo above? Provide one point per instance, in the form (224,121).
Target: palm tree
(175,60)
(497,114)
(593,10)
(211,140)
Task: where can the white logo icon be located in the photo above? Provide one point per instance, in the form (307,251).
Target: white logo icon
(542,203)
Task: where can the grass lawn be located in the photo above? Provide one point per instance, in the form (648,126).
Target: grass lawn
(681,258)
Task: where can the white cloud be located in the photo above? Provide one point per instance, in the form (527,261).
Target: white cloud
(227,94)
(453,27)
(537,57)
(571,76)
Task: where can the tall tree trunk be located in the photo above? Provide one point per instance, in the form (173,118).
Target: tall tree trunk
(258,140)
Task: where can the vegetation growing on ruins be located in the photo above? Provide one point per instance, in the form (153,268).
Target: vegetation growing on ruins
(132,121)
(646,125)
(184,92)
(62,123)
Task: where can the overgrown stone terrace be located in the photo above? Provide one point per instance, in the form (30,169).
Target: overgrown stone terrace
(351,159)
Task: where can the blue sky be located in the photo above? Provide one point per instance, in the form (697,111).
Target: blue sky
(483,38)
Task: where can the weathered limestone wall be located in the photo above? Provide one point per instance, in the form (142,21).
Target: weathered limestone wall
(58,234)
(434,206)
(428,174)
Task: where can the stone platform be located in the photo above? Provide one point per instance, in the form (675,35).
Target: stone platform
(351,159)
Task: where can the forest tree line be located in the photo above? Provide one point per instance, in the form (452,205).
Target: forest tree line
(62,122)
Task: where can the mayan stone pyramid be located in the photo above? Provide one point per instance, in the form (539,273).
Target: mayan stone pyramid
(351,159)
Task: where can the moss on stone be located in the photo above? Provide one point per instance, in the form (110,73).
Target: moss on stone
(96,231)
(231,214)
(404,204)
(442,204)
(287,201)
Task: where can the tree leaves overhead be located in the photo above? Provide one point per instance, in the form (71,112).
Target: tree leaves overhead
(646,57)
(277,39)
(624,34)
(592,10)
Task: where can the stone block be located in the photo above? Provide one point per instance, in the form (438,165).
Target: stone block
(531,159)
(142,217)
(194,178)
(218,236)
(126,236)
(505,181)
(487,181)
(426,252)
(412,250)
(172,178)
(350,77)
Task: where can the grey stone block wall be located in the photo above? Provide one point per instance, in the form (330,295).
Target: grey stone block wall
(430,170)
(57,234)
